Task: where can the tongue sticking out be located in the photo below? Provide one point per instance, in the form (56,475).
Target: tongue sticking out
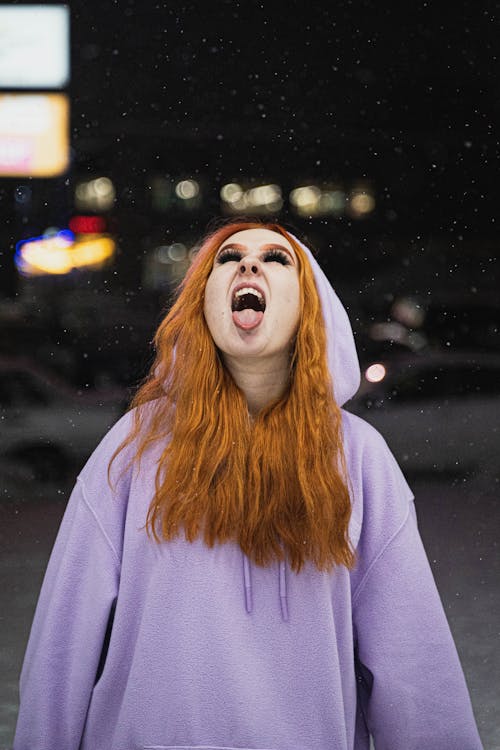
(247,318)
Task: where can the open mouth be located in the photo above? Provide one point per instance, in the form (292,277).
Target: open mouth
(248,306)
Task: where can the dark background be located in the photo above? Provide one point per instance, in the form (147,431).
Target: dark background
(405,98)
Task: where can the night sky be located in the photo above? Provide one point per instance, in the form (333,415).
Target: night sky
(346,88)
(405,96)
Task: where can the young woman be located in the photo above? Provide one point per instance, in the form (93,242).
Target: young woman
(252,575)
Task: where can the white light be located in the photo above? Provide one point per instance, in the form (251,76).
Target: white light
(261,199)
(102,186)
(306,196)
(375,373)
(231,193)
(35,46)
(187,189)
(95,195)
(264,194)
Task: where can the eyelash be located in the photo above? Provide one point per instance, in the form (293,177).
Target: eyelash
(270,255)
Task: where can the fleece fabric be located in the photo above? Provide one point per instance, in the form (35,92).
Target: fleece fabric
(139,646)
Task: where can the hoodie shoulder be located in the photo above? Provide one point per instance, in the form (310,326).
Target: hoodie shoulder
(102,453)
(381,497)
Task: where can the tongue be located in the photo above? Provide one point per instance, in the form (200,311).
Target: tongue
(247,318)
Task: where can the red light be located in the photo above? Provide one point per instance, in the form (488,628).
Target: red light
(87,224)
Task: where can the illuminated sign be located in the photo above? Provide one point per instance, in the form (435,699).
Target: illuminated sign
(87,224)
(60,253)
(34,40)
(34,140)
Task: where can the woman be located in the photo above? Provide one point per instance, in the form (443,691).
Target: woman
(252,577)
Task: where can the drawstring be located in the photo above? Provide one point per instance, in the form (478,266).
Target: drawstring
(282,587)
(283,599)
(248,584)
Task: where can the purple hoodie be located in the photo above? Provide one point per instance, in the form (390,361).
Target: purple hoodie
(136,645)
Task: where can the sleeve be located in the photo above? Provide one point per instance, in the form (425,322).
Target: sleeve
(68,631)
(411,686)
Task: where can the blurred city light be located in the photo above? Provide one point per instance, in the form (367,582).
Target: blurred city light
(166,265)
(260,199)
(187,189)
(408,311)
(267,197)
(389,331)
(23,195)
(34,139)
(161,193)
(60,253)
(311,200)
(375,373)
(305,199)
(95,195)
(87,224)
(35,46)
(177,252)
(361,203)
(333,201)
(231,193)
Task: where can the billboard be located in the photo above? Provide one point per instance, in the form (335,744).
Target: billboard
(34,135)
(34,46)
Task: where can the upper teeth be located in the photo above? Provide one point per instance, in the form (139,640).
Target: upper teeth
(248,290)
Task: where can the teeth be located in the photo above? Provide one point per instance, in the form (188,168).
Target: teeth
(248,290)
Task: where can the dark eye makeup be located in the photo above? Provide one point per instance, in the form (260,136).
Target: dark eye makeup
(229,254)
(274,254)
(277,255)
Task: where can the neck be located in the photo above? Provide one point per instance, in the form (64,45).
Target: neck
(261,381)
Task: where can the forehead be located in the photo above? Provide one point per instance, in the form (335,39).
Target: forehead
(255,238)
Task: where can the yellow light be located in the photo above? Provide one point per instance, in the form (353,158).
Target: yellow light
(34,138)
(58,256)
(362,203)
(375,373)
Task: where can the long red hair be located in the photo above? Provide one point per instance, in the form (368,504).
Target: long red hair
(277,486)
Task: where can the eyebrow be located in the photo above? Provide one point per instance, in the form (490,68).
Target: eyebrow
(264,248)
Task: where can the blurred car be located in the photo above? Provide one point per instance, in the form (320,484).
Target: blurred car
(47,426)
(437,410)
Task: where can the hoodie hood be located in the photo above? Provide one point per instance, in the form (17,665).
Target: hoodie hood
(341,349)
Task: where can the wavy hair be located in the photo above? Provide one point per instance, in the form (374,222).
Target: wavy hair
(278,485)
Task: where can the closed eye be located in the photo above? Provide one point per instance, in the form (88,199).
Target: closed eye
(276,255)
(270,256)
(229,254)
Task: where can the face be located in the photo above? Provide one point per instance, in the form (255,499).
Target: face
(252,296)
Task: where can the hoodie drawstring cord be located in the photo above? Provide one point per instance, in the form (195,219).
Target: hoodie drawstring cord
(282,587)
(248,584)
(283,599)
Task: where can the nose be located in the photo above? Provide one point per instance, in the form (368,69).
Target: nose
(249,266)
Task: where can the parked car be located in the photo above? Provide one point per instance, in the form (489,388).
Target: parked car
(47,425)
(437,410)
